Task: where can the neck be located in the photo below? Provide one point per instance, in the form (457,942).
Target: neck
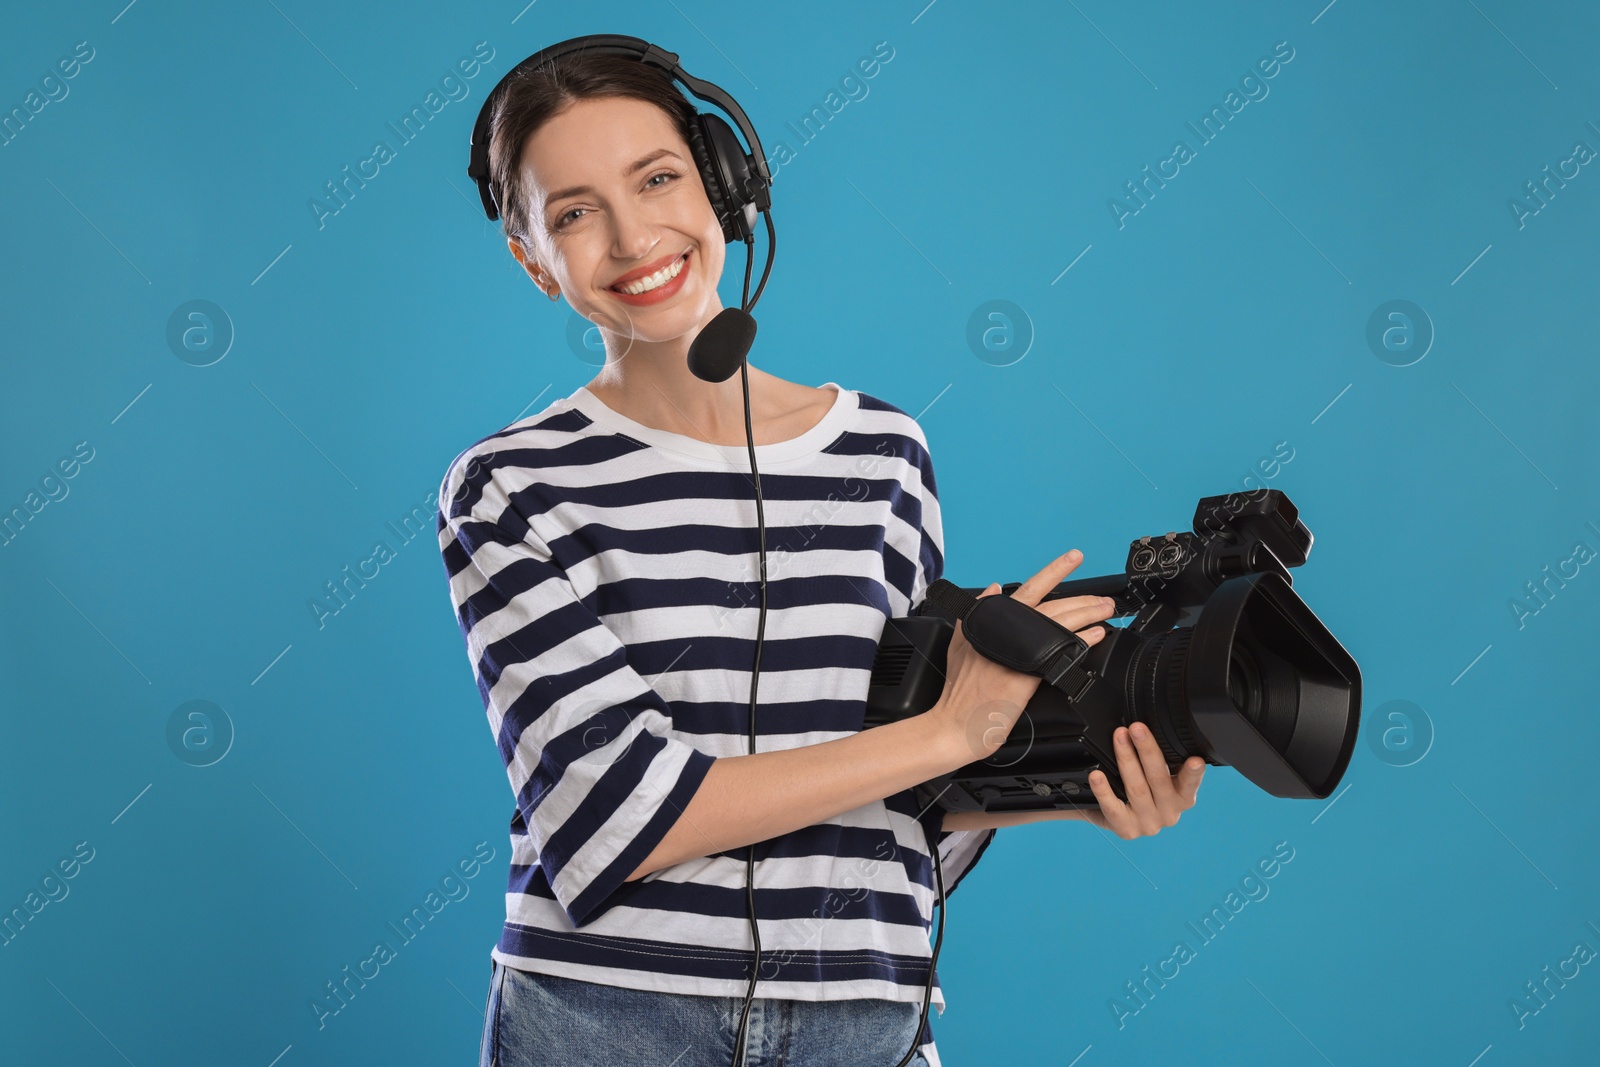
(650,382)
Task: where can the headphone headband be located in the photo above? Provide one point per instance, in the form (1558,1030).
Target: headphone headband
(632,48)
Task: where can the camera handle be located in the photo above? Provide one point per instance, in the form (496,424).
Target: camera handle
(1015,635)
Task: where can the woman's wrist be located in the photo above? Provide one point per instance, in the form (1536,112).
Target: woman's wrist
(947,743)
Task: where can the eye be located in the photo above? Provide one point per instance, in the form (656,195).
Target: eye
(569,217)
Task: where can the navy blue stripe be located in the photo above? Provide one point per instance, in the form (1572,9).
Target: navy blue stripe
(652,658)
(667,957)
(800,717)
(827,492)
(473,534)
(629,766)
(539,636)
(718,597)
(525,573)
(714,652)
(802,902)
(711,594)
(900,571)
(596,537)
(930,818)
(582,734)
(799,902)
(477,464)
(873,403)
(512,580)
(601,892)
(885,444)
(853,847)
(846,843)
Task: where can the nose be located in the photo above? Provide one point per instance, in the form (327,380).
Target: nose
(634,233)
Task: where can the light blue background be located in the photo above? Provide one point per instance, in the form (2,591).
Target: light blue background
(1227,315)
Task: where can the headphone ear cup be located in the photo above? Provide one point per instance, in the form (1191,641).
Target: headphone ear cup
(725,172)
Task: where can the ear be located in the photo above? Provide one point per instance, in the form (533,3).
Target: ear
(530,263)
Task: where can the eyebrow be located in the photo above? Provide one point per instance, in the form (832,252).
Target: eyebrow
(633,168)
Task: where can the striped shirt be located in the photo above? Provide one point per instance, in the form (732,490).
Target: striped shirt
(605,577)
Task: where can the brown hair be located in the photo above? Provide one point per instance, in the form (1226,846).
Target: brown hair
(533,96)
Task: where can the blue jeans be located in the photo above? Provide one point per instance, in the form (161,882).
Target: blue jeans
(542,1020)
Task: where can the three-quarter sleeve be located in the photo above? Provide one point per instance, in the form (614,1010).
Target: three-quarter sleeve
(588,745)
(959,850)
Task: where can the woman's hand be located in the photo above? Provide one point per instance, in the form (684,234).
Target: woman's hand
(1155,798)
(982,700)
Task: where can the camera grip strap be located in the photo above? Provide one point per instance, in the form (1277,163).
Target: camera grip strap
(1015,635)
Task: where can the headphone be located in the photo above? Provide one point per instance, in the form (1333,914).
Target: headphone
(739,185)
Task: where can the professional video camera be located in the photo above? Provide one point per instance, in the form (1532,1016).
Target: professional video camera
(1221,659)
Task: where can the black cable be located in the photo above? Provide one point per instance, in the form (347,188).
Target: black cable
(927,993)
(747,303)
(772,248)
(755,674)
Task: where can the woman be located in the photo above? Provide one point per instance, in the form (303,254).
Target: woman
(601,561)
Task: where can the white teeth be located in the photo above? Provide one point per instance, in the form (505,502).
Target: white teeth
(656,280)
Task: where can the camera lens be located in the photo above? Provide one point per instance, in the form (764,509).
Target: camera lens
(1253,668)
(1156,686)
(1244,686)
(1269,691)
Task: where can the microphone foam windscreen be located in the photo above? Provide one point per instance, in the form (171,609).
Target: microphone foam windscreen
(721,345)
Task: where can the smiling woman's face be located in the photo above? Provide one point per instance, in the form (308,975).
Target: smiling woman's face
(617,206)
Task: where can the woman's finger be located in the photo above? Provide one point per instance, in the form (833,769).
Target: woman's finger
(1133,776)
(1077,612)
(1114,814)
(1157,775)
(1070,603)
(1033,590)
(1189,775)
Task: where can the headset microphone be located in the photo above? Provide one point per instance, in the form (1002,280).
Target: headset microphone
(738,185)
(720,347)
